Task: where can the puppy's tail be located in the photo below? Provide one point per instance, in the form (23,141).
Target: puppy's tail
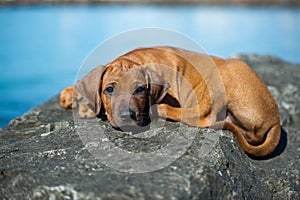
(258,151)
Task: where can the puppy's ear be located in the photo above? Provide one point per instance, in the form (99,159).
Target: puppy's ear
(89,87)
(157,86)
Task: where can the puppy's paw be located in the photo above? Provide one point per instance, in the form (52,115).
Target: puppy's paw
(66,97)
(69,97)
(85,111)
(162,110)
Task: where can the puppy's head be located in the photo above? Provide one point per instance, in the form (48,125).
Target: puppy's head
(126,94)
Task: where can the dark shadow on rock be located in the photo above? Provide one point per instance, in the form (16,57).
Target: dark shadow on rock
(279,149)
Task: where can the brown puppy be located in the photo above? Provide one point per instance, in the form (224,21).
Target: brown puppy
(197,89)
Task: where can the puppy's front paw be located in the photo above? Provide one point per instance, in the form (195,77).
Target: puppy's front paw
(85,111)
(69,97)
(66,97)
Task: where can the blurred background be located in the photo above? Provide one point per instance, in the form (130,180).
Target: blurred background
(43,43)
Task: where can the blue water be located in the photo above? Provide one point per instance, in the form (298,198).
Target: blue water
(42,47)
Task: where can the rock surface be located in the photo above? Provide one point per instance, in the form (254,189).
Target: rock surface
(43,156)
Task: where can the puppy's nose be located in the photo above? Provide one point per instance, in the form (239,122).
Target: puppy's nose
(127,115)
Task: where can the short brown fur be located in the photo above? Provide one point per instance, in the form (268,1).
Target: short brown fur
(188,87)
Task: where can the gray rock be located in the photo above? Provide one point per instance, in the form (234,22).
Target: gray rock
(44,155)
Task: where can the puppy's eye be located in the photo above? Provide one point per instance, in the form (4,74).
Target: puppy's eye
(139,90)
(109,90)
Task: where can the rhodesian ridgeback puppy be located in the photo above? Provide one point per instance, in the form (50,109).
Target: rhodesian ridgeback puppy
(180,85)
